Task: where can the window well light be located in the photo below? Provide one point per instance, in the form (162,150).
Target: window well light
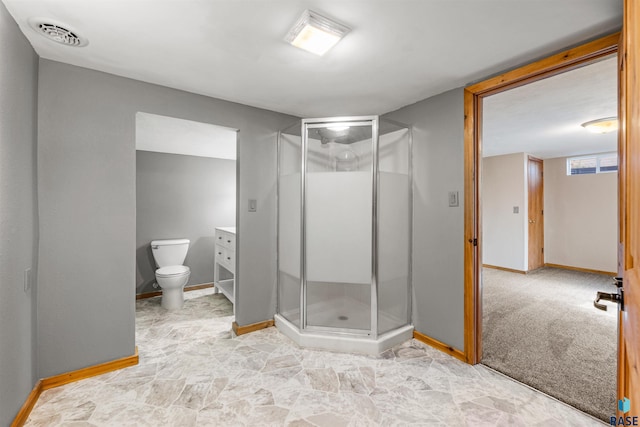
(316,33)
(606,125)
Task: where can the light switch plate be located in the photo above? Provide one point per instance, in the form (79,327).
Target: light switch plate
(516,209)
(253,205)
(453,199)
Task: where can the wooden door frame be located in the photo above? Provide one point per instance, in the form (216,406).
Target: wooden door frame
(537,160)
(629,205)
(473,95)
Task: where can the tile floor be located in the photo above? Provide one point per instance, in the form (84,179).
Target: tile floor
(193,373)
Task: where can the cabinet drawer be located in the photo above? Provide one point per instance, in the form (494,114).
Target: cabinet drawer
(220,254)
(226,258)
(230,241)
(230,260)
(221,238)
(224,239)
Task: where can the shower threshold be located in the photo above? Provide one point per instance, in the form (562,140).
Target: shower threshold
(344,343)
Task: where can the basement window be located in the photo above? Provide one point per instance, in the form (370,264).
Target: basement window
(595,163)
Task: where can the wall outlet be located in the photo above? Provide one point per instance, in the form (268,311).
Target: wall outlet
(453,199)
(516,209)
(253,205)
(27,279)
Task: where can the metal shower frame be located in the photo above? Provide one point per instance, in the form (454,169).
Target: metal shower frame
(314,123)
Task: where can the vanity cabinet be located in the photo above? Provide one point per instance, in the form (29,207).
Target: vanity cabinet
(225,262)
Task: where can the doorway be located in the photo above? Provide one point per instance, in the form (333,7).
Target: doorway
(476,252)
(185,189)
(539,323)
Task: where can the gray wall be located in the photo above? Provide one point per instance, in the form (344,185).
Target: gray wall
(181,196)
(18,216)
(86,173)
(438,239)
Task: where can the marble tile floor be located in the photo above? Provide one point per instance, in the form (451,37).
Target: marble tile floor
(192,372)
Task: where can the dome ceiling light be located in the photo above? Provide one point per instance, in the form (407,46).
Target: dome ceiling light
(605,125)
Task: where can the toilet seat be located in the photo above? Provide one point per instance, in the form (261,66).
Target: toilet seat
(172,271)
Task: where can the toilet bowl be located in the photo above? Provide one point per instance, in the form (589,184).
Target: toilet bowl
(172,280)
(171,275)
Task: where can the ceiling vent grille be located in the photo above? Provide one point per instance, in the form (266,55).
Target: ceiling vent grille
(57,32)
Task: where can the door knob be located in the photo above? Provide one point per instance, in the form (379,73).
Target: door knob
(607,297)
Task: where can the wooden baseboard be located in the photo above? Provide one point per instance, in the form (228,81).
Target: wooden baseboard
(186,289)
(584,270)
(90,371)
(148,295)
(69,377)
(201,286)
(241,330)
(440,346)
(511,270)
(23,414)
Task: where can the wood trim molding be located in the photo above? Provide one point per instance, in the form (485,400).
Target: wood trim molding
(69,377)
(473,95)
(584,270)
(90,371)
(148,295)
(241,330)
(23,414)
(554,64)
(439,346)
(471,229)
(186,289)
(511,270)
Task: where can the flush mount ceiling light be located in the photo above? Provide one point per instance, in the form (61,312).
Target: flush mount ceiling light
(606,125)
(58,32)
(316,33)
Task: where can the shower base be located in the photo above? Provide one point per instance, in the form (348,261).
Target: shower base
(344,343)
(340,312)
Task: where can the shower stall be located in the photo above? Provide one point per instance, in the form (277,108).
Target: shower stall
(344,233)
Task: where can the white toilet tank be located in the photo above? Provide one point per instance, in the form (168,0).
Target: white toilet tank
(169,252)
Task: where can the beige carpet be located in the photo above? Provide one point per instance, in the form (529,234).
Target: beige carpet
(543,330)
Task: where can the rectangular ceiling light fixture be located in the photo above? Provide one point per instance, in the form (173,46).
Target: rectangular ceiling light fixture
(316,33)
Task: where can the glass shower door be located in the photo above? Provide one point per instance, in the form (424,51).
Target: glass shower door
(338,233)
(394,226)
(289,223)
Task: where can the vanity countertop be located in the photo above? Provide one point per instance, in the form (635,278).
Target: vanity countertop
(231,230)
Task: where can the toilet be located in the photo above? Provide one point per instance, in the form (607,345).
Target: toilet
(171,275)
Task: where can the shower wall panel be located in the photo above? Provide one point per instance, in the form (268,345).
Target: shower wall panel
(394,202)
(289,214)
(338,229)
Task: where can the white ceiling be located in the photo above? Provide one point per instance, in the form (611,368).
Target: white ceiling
(544,118)
(177,136)
(398,52)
